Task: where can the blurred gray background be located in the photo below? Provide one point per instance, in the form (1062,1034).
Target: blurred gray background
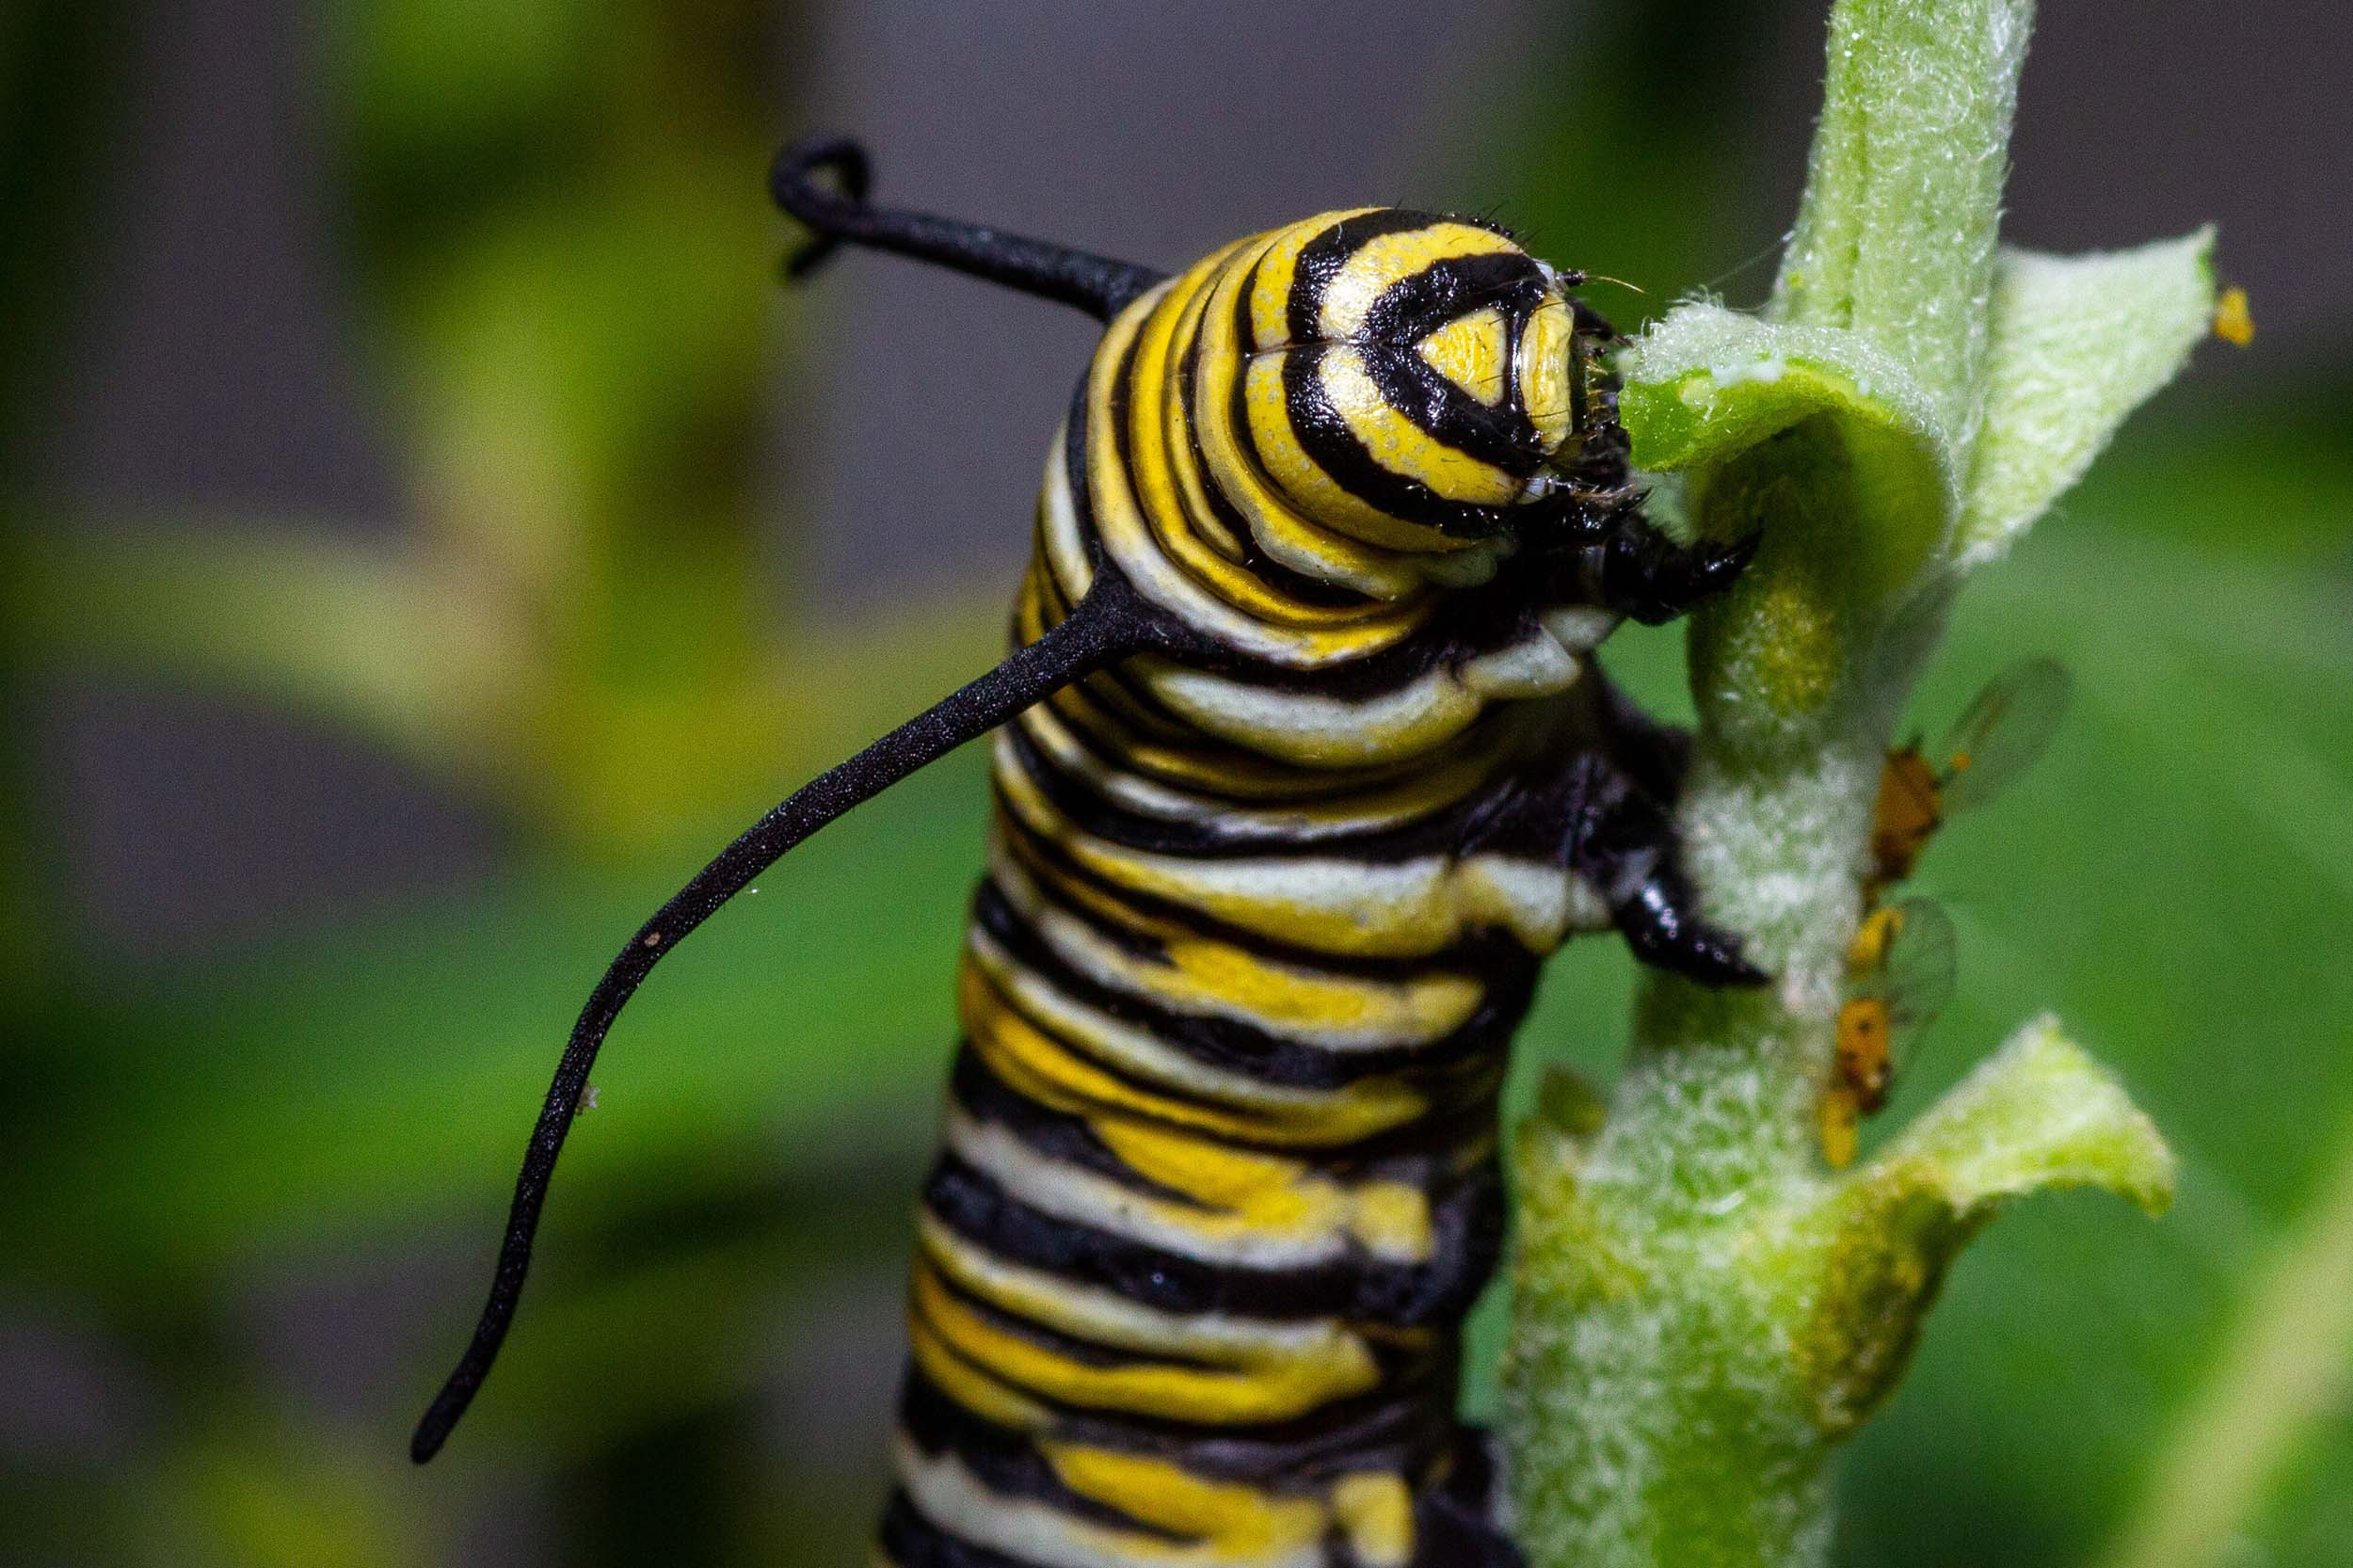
(222,378)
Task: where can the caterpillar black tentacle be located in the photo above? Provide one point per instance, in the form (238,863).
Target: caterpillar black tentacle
(1110,625)
(1280,841)
(1096,284)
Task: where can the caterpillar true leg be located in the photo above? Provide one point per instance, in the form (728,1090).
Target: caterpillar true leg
(1625,849)
(1642,573)
(1097,284)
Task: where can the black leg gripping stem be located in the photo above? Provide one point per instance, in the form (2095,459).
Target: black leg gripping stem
(1625,846)
(1639,572)
(1596,814)
(1096,284)
(1458,1523)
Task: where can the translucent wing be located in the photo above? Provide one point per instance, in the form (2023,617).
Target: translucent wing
(1899,975)
(2006,726)
(1918,968)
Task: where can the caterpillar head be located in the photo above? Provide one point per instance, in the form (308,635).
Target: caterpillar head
(1416,381)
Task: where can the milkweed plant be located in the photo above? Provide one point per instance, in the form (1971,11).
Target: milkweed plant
(1704,1310)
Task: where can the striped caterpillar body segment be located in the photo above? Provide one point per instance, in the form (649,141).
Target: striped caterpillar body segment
(1304,767)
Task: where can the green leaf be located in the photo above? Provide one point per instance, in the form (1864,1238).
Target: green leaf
(1706,385)
(2039,1115)
(2078,343)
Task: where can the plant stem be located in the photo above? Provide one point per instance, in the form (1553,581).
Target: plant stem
(1897,231)
(1704,1309)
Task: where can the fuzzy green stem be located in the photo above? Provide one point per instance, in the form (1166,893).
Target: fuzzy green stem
(1704,1309)
(1896,233)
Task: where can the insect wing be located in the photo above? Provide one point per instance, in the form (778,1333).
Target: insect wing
(1899,974)
(2006,726)
(1919,956)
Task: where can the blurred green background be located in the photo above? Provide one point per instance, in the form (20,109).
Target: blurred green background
(428,529)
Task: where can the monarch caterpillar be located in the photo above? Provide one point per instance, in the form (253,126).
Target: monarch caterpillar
(1304,767)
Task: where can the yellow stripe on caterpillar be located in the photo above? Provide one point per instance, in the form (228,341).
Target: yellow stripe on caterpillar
(1345,809)
(1232,1523)
(1474,352)
(1267,1114)
(1305,483)
(1267,1191)
(1306,544)
(1400,909)
(1041,1068)
(1129,542)
(1403,447)
(1375,265)
(1072,1192)
(1547,371)
(1168,493)
(1251,1373)
(1032,1530)
(1375,1509)
(970,1387)
(1202,976)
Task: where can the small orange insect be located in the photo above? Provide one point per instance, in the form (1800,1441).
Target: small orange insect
(1998,736)
(1899,975)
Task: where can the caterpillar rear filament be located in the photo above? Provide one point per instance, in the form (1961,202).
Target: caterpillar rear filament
(1302,766)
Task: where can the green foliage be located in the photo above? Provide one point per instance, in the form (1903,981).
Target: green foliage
(2036,1117)
(564,263)
(2282,1384)
(2077,344)
(1703,1311)
(2164,878)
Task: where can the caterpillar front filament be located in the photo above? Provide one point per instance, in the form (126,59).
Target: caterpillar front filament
(1304,767)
